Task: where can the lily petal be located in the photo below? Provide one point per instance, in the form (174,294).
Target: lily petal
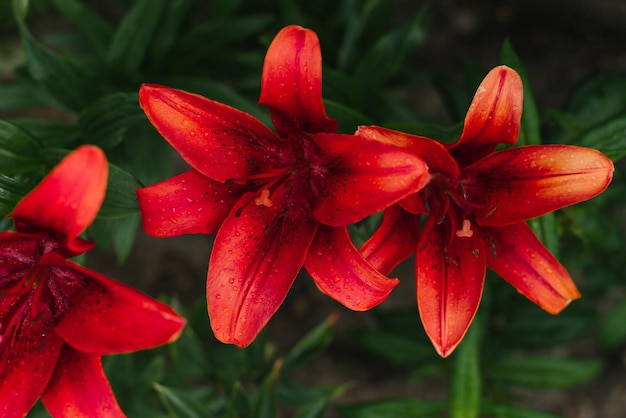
(104,316)
(432,152)
(17,253)
(256,256)
(79,388)
(394,240)
(493,117)
(219,141)
(342,273)
(292,83)
(189,203)
(520,183)
(520,259)
(27,361)
(362,177)
(449,284)
(68,198)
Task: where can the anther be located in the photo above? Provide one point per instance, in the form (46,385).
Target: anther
(465,231)
(264,199)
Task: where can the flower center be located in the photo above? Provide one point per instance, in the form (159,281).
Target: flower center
(465,231)
(264,199)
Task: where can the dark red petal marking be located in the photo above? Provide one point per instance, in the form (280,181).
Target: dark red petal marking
(342,273)
(523,261)
(79,388)
(256,256)
(292,83)
(189,203)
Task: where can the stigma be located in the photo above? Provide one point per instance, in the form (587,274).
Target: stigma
(465,231)
(264,199)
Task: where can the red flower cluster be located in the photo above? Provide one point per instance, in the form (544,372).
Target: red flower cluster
(57,318)
(280,202)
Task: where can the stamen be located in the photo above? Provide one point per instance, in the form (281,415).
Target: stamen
(264,199)
(465,232)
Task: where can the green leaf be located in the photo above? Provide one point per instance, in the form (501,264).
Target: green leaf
(599,98)
(105,121)
(19,151)
(180,403)
(131,42)
(347,119)
(501,411)
(11,192)
(397,408)
(465,380)
(175,13)
(316,409)
(609,137)
(612,332)
(120,200)
(544,372)
(239,404)
(52,134)
(21,94)
(96,30)
(395,349)
(312,344)
(188,355)
(120,232)
(265,405)
(297,395)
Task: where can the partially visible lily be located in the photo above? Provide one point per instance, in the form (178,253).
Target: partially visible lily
(56,317)
(276,201)
(477,202)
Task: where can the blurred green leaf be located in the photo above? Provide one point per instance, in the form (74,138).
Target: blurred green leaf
(316,409)
(314,342)
(174,15)
(465,379)
(105,121)
(21,94)
(180,403)
(118,232)
(19,151)
(397,408)
(297,395)
(265,405)
(395,349)
(347,119)
(134,35)
(239,404)
(11,192)
(599,98)
(609,137)
(51,133)
(93,27)
(501,411)
(544,372)
(120,200)
(188,355)
(612,331)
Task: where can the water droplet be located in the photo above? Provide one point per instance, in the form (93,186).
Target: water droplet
(231,280)
(218,296)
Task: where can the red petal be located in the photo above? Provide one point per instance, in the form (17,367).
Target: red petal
(519,257)
(256,256)
(79,388)
(342,273)
(189,203)
(493,117)
(219,141)
(394,241)
(414,203)
(68,199)
(450,279)
(27,360)
(17,253)
(432,152)
(292,83)
(524,182)
(104,316)
(360,177)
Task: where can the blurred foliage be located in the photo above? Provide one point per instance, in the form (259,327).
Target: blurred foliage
(74,79)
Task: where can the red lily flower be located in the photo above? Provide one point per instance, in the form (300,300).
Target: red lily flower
(56,317)
(274,200)
(478,201)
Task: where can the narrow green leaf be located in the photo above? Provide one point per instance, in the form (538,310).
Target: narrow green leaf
(544,372)
(265,405)
(50,133)
(298,395)
(120,200)
(608,137)
(347,119)
(239,404)
(312,344)
(397,408)
(188,355)
(11,192)
(21,94)
(316,409)
(179,403)
(176,11)
(395,349)
(119,232)
(131,42)
(465,380)
(96,30)
(105,121)
(19,151)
